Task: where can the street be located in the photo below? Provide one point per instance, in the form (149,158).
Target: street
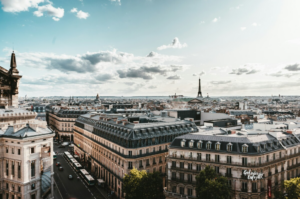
(74,188)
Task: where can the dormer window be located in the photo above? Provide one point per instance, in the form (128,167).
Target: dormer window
(245,148)
(191,144)
(218,146)
(258,149)
(265,146)
(229,147)
(199,144)
(208,145)
(183,143)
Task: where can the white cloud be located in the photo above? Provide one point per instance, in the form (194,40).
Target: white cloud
(175,44)
(74,10)
(254,24)
(216,19)
(243,28)
(19,5)
(82,15)
(56,13)
(116,1)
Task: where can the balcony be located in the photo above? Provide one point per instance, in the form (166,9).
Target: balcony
(229,175)
(254,190)
(244,190)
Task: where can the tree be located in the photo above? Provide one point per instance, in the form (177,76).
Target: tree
(211,185)
(143,185)
(290,189)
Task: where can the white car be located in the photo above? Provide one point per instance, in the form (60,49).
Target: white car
(71,145)
(65,144)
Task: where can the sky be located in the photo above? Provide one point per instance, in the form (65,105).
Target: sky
(152,47)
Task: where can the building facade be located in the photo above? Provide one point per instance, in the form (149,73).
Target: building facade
(62,123)
(254,163)
(111,146)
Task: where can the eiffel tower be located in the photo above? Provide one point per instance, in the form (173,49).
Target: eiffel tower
(199,90)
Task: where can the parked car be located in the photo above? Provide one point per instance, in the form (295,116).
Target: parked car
(61,168)
(57,163)
(70,177)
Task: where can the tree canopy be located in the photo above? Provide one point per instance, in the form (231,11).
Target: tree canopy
(290,189)
(208,181)
(142,185)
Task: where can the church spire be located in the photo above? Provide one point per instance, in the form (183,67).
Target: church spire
(13,63)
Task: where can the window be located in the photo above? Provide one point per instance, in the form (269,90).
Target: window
(147,162)
(19,169)
(6,185)
(259,160)
(183,143)
(32,186)
(19,189)
(153,149)
(173,164)
(160,159)
(147,150)
(130,153)
(141,152)
(245,148)
(229,147)
(174,189)
(181,190)
(244,186)
(207,157)
(13,168)
(280,154)
(217,158)
(258,149)
(13,151)
(173,175)
(182,165)
(254,187)
(6,167)
(198,156)
(19,151)
(181,176)
(228,171)
(159,148)
(13,187)
(6,149)
(140,163)
(190,166)
(199,144)
(198,167)
(267,158)
(32,150)
(217,169)
(218,146)
(229,159)
(273,156)
(191,144)
(130,165)
(190,192)
(160,169)
(229,183)
(154,162)
(190,178)
(244,161)
(33,168)
(208,145)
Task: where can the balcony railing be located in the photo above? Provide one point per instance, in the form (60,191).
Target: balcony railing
(229,175)
(244,190)
(254,190)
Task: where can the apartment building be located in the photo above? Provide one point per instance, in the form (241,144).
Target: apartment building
(26,156)
(255,163)
(112,146)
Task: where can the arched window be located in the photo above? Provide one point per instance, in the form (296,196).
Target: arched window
(208,145)
(199,144)
(218,146)
(191,143)
(245,148)
(229,147)
(183,143)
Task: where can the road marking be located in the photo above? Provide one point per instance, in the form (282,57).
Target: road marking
(57,189)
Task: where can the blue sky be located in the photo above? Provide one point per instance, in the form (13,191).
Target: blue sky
(152,47)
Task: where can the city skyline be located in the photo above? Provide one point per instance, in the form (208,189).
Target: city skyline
(109,47)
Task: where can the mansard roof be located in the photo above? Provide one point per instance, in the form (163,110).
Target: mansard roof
(135,131)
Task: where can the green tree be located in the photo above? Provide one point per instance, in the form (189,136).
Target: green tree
(143,185)
(292,188)
(211,185)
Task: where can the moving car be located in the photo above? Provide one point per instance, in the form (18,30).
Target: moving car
(57,163)
(70,177)
(61,168)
